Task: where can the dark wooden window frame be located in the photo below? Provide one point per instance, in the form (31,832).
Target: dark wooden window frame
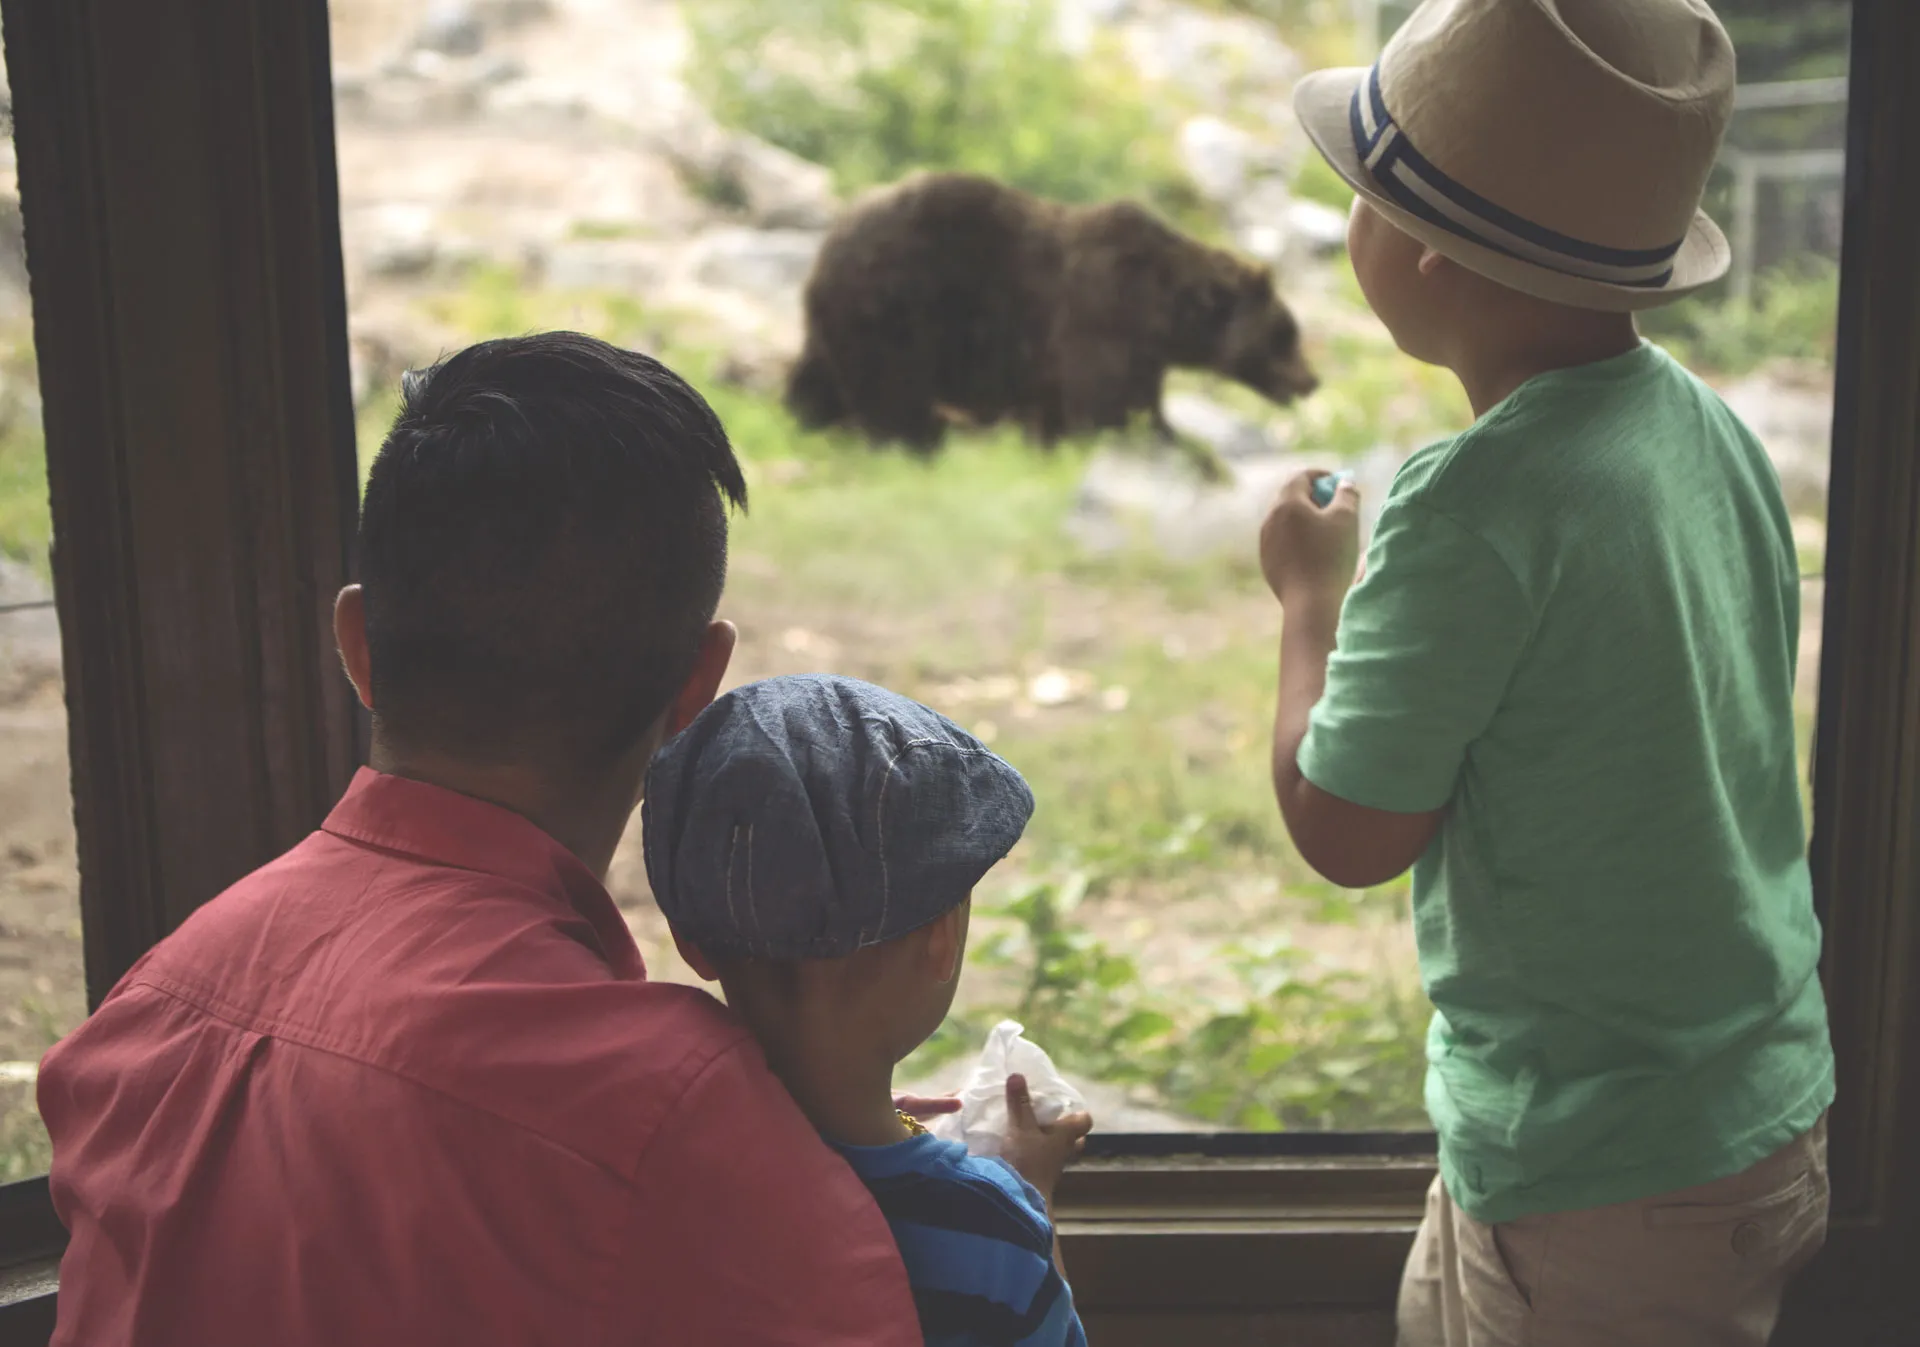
(178,184)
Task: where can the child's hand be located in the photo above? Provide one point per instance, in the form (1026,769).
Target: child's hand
(1039,1154)
(1308,553)
(924,1107)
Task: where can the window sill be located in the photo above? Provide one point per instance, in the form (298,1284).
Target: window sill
(1242,1233)
(28,1294)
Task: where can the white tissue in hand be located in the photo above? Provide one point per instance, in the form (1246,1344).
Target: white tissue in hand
(982,1120)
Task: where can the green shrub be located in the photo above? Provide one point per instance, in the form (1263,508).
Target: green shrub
(875,89)
(1298,1046)
(1791,315)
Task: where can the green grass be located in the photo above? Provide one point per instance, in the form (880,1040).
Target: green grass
(25,523)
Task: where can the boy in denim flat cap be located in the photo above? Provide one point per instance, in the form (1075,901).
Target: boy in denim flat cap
(814,842)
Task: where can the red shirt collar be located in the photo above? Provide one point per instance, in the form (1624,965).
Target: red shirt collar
(443,827)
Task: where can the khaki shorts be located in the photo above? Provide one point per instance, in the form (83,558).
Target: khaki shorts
(1703,1267)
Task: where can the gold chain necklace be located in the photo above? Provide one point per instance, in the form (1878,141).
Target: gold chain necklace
(914,1126)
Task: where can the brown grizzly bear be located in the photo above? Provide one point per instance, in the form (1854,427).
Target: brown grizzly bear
(950,297)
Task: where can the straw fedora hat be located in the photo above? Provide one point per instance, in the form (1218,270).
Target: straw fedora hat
(1559,147)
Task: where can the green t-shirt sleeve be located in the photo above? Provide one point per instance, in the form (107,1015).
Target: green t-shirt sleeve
(1428,642)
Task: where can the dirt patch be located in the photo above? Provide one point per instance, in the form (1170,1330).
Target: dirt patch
(42,982)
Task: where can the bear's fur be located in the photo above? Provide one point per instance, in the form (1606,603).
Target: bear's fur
(950,297)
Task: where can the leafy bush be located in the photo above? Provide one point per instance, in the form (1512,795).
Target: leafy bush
(1790,316)
(875,89)
(1301,1046)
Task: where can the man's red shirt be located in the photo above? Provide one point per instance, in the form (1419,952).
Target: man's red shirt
(409,1084)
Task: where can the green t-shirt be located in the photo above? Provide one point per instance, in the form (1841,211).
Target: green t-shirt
(1577,631)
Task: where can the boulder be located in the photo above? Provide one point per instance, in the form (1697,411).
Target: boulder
(762,262)
(451,28)
(504,14)
(746,176)
(29,636)
(1259,220)
(1217,155)
(1320,230)
(623,266)
(397,239)
(1220,428)
(1219,59)
(1789,406)
(1134,493)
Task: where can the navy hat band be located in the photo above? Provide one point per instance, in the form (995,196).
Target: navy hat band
(1417,186)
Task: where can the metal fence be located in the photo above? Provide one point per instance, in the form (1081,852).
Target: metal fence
(1752,169)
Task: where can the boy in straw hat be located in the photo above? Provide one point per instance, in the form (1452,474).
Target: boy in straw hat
(1562,691)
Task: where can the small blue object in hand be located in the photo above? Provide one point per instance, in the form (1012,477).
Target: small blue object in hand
(1324,488)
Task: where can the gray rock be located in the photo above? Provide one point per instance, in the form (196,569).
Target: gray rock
(397,240)
(1259,220)
(29,637)
(503,14)
(627,266)
(1133,494)
(451,28)
(1209,54)
(745,175)
(13,250)
(755,261)
(1790,409)
(498,70)
(1227,433)
(1217,155)
(1322,229)
(420,89)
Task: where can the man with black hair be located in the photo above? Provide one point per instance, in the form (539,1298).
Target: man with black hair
(409,1083)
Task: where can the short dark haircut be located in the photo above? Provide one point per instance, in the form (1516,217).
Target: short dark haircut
(543,542)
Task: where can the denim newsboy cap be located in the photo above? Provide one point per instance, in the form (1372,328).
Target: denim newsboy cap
(805,817)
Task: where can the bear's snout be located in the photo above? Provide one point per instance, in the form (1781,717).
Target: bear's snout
(1294,378)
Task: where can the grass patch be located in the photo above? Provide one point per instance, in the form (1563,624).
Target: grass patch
(26,526)
(1316,181)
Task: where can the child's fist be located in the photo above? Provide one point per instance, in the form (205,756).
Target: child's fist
(1308,552)
(1039,1154)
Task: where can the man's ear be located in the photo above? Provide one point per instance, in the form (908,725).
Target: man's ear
(350,637)
(697,961)
(703,684)
(1431,260)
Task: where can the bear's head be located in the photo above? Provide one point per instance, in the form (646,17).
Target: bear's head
(1258,342)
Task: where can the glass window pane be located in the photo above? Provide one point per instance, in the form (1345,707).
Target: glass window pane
(42,981)
(663,174)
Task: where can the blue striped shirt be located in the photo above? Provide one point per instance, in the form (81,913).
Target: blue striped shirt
(977,1244)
